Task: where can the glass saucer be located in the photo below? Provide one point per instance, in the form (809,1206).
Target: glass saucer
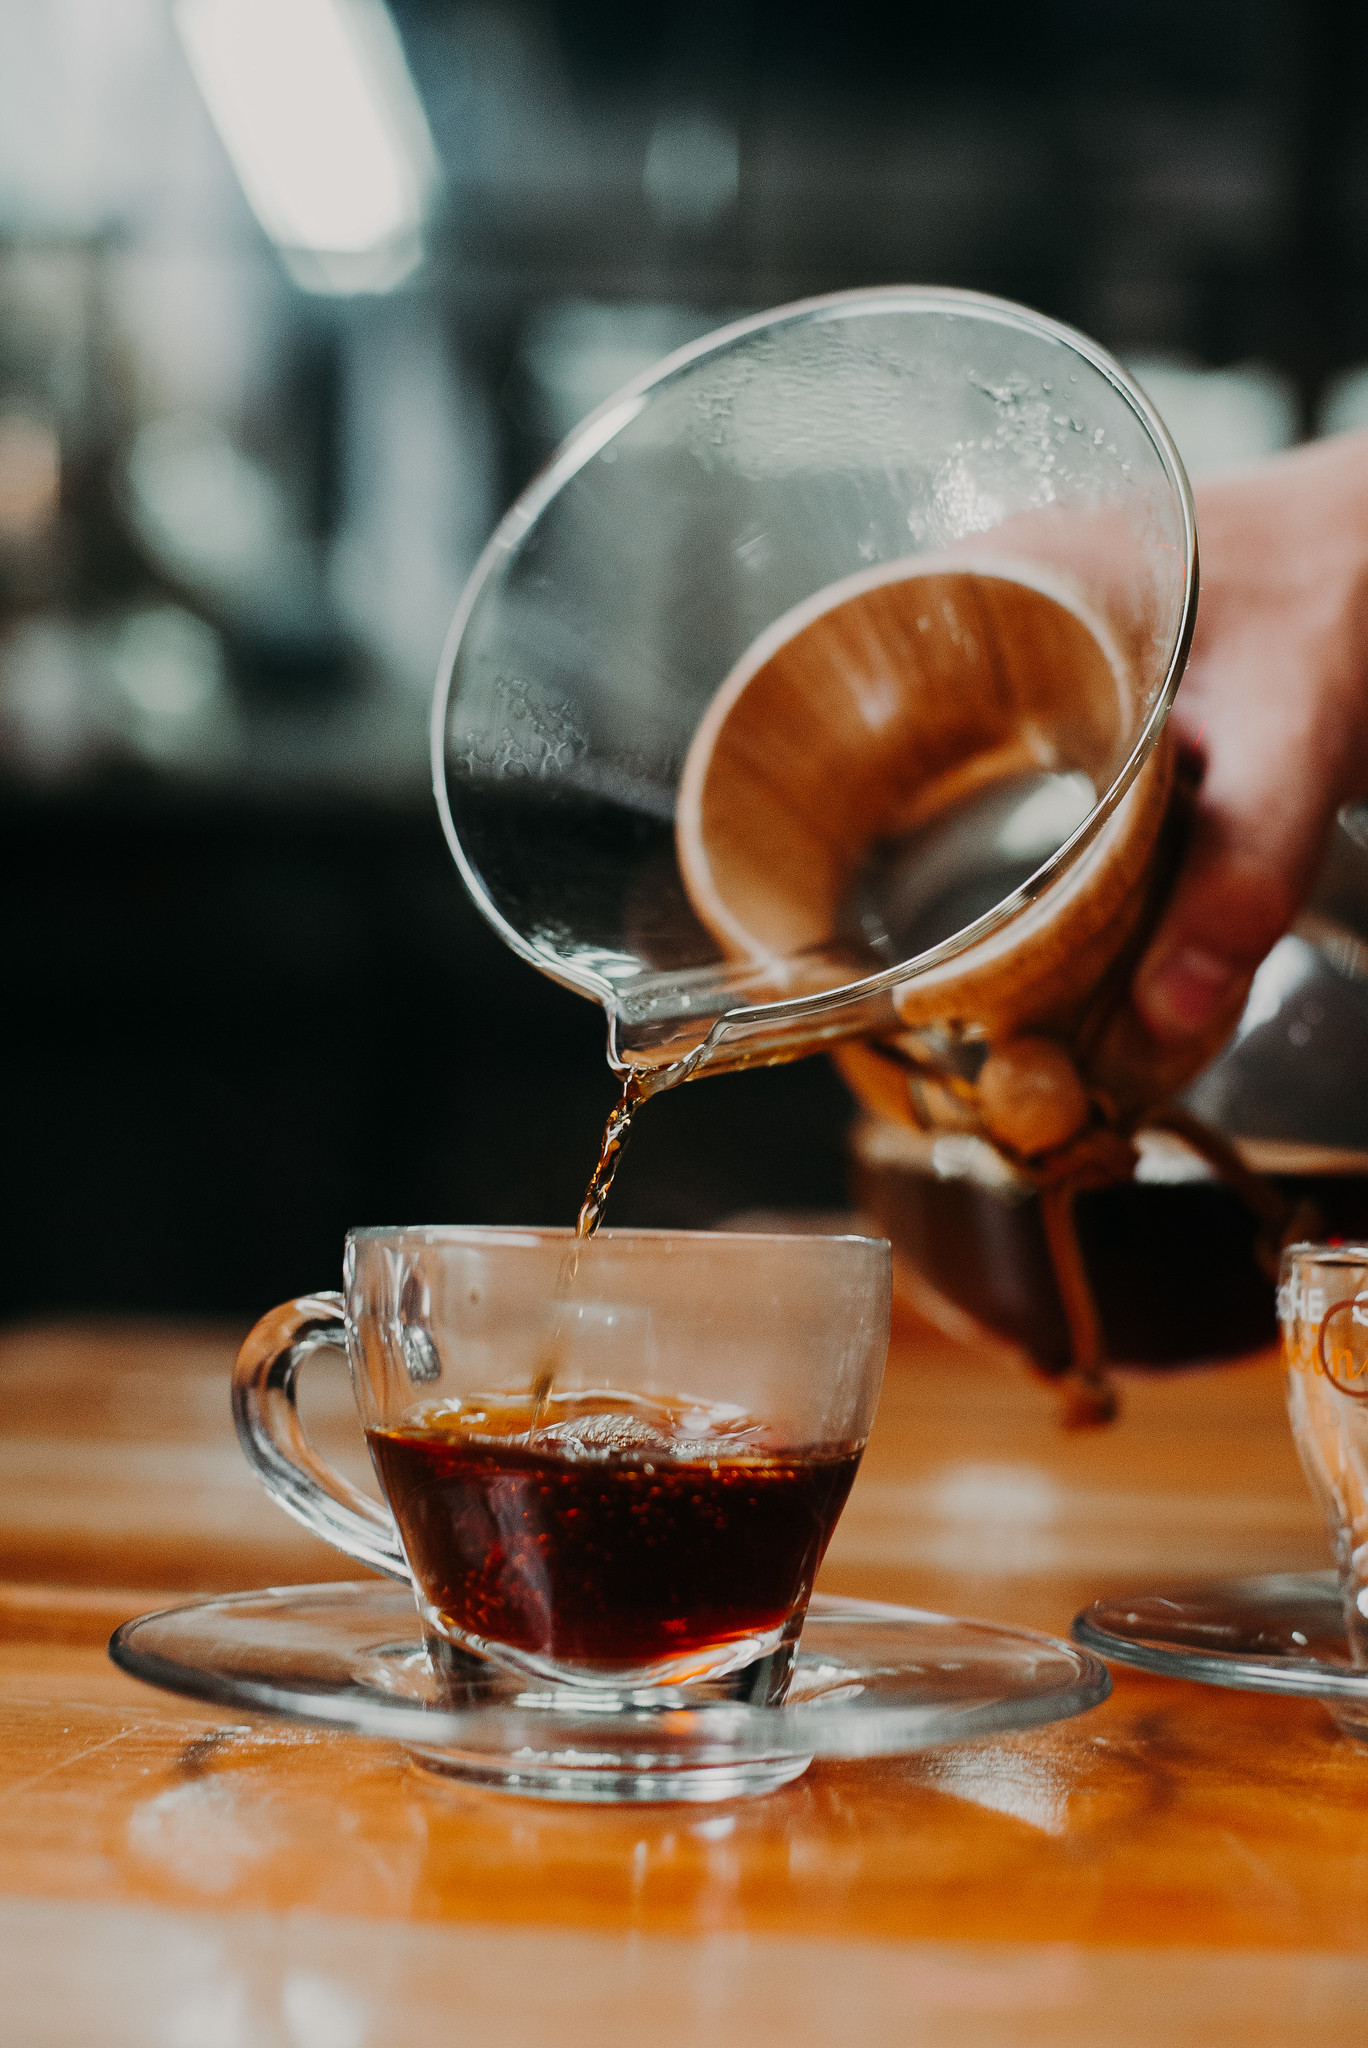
(1283,1632)
(870,1680)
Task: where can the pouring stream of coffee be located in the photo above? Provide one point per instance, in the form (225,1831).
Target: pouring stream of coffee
(616,1132)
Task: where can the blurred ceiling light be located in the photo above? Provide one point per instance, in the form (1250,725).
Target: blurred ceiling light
(692,173)
(30,472)
(315,106)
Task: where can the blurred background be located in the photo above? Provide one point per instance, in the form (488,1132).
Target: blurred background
(295,295)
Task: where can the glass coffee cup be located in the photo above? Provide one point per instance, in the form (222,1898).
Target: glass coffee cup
(1323,1309)
(611,1465)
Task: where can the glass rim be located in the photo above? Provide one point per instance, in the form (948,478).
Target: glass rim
(531,1237)
(617,412)
(1325,1254)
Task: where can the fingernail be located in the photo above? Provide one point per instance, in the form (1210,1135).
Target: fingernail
(1186,992)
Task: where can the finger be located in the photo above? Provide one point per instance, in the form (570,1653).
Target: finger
(1260,824)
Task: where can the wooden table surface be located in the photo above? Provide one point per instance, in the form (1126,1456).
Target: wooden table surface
(1182,1865)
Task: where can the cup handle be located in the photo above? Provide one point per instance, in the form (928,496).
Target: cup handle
(272,1435)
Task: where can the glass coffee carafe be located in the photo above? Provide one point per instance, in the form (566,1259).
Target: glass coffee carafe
(814,696)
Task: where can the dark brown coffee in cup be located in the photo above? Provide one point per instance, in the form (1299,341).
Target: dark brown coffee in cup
(608,1531)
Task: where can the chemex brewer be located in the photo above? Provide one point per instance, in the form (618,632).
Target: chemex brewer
(815,695)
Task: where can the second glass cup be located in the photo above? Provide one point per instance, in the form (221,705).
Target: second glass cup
(611,1464)
(1323,1308)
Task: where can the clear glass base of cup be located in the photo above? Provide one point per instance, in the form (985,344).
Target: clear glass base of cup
(662,1741)
(752,1670)
(577,1776)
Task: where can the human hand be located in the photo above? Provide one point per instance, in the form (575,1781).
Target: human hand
(1274,706)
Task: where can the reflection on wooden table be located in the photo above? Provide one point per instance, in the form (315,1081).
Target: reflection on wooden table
(1179,1861)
